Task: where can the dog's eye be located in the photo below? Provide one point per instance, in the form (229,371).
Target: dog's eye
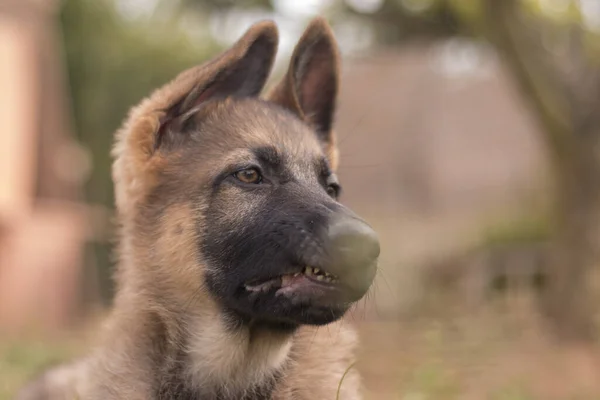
(333,190)
(249,175)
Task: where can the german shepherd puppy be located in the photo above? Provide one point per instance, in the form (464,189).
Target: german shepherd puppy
(234,248)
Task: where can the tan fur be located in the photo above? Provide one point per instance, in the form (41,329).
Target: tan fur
(321,358)
(162,308)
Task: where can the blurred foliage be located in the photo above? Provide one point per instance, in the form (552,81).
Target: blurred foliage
(521,229)
(398,21)
(211,5)
(393,21)
(114,62)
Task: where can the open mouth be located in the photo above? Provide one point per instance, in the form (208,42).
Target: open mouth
(309,276)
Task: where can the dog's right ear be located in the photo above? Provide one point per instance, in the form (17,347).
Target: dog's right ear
(310,87)
(240,71)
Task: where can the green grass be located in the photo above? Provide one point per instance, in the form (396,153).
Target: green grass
(21,360)
(433,381)
(515,391)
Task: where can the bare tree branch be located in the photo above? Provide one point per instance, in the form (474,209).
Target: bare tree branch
(562,85)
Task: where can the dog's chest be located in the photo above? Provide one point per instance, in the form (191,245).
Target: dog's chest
(176,388)
(175,384)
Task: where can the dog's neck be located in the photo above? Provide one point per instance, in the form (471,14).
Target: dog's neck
(239,359)
(201,354)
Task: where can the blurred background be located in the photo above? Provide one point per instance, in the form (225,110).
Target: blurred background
(470,139)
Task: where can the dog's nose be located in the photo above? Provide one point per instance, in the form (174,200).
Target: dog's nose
(353,247)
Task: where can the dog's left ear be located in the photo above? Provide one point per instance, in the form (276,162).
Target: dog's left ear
(310,86)
(240,71)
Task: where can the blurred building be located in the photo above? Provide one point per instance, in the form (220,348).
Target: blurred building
(42,221)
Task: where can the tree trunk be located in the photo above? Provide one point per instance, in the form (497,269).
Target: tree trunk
(569,300)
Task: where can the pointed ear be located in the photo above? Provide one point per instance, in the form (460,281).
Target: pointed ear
(240,71)
(310,85)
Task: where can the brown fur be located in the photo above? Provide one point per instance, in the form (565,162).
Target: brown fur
(165,326)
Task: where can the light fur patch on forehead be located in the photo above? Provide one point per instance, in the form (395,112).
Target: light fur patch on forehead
(253,124)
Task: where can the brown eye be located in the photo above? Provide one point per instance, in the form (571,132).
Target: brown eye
(250,175)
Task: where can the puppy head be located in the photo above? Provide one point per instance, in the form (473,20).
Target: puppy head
(227,194)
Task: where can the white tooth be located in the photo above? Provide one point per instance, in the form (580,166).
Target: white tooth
(297,274)
(320,277)
(308,271)
(316,270)
(285,279)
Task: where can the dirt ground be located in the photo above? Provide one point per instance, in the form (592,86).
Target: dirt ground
(473,359)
